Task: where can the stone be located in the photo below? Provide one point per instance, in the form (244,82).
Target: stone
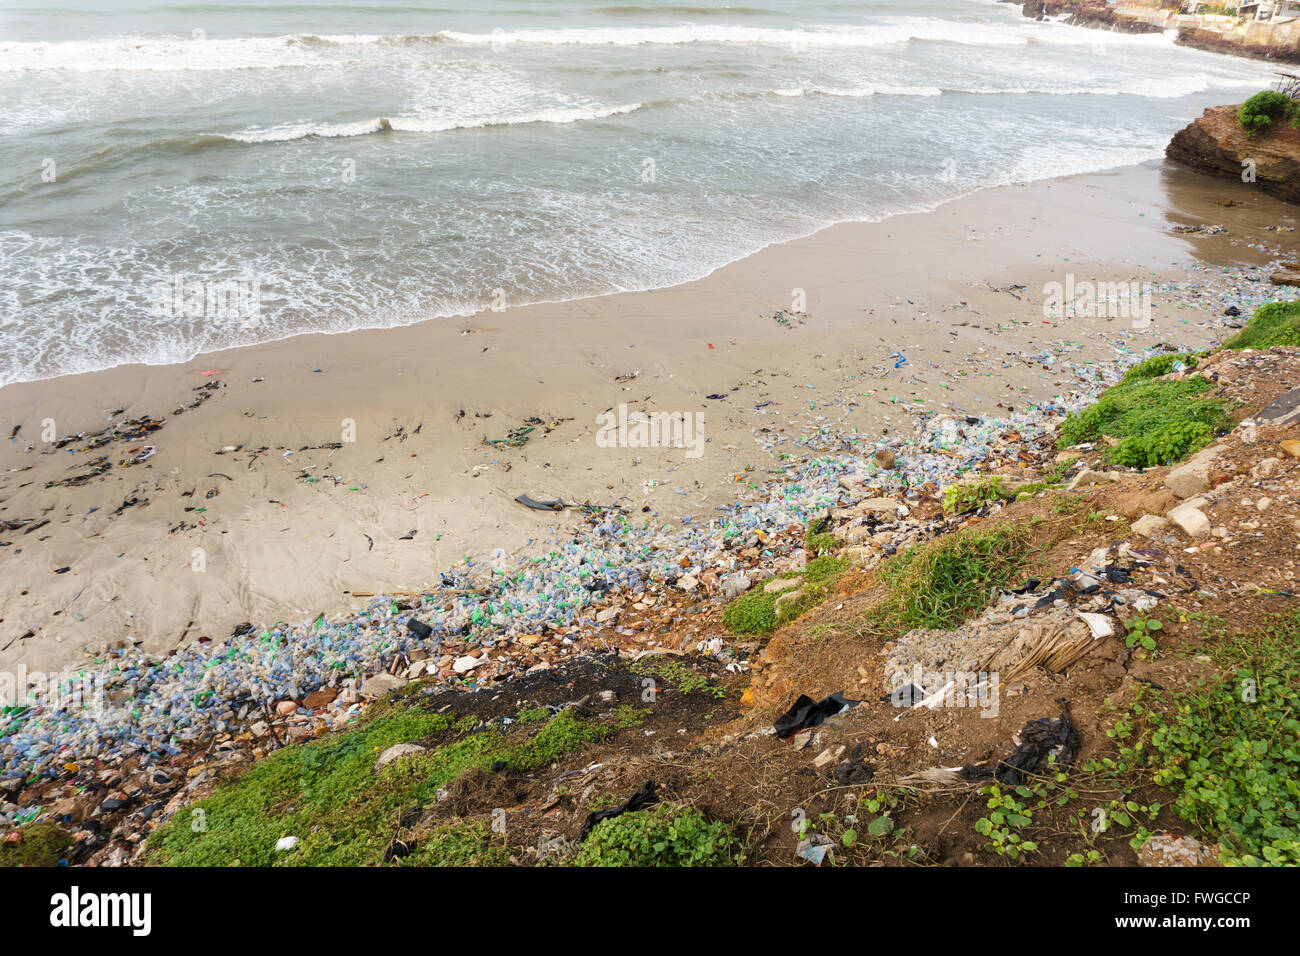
(463,665)
(1089,477)
(780,584)
(378,685)
(319,698)
(397,750)
(1292,447)
(884,459)
(688,582)
(828,756)
(1168,849)
(789,597)
(1148,525)
(1192,477)
(886,506)
(734,585)
(607,616)
(1280,411)
(285,708)
(1191,519)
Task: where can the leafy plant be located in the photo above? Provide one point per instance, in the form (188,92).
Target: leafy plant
(1159,365)
(1277,323)
(966,496)
(1141,630)
(756,612)
(1263,108)
(1158,421)
(1007,817)
(667,835)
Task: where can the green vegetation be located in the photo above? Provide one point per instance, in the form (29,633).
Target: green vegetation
(817,539)
(1158,420)
(1159,365)
(1141,630)
(667,835)
(677,673)
(942,583)
(329,795)
(1051,478)
(1277,323)
(460,844)
(966,496)
(43,844)
(1229,748)
(756,612)
(1263,108)
(1007,817)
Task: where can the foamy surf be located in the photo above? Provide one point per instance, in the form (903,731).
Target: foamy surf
(318,154)
(416,124)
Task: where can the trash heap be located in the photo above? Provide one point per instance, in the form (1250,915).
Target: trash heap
(492,620)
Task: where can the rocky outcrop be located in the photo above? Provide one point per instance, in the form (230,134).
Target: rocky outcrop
(1087,13)
(1216,144)
(1219,42)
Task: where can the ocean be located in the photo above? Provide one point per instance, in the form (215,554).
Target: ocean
(337,166)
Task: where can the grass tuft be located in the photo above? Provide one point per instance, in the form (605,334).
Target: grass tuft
(940,584)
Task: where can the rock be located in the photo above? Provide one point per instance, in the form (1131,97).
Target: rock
(1285,277)
(397,750)
(828,756)
(1167,849)
(607,616)
(1148,525)
(734,585)
(885,506)
(1191,519)
(1292,447)
(1215,143)
(285,708)
(884,459)
(789,597)
(286,843)
(780,584)
(688,582)
(858,555)
(1192,477)
(319,698)
(1089,477)
(377,685)
(1283,409)
(463,665)
(802,739)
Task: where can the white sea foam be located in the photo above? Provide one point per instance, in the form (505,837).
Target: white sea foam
(199,52)
(418,124)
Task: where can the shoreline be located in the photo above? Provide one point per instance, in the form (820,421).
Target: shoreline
(284,525)
(922,210)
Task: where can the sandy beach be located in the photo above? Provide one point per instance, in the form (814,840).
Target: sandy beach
(323,467)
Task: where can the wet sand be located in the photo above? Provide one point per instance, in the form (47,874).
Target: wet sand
(346,444)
